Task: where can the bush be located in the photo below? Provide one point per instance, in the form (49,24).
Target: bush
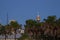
(24,37)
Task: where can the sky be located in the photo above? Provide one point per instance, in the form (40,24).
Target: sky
(22,10)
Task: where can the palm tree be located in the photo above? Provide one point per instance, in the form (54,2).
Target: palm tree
(50,22)
(58,26)
(6,31)
(15,26)
(30,26)
(30,23)
(2,29)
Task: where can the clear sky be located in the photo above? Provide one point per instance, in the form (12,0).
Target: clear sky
(21,10)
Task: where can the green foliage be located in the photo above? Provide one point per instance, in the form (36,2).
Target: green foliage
(58,22)
(30,22)
(15,24)
(2,30)
(50,19)
(24,37)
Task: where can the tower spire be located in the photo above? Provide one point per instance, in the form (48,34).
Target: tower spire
(7,17)
(38,17)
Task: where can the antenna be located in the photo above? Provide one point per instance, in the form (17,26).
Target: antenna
(0,18)
(7,17)
(38,13)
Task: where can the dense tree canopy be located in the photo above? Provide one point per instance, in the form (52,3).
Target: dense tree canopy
(50,26)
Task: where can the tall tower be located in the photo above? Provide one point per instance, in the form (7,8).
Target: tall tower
(7,18)
(38,18)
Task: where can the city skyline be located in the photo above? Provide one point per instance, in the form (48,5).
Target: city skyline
(21,10)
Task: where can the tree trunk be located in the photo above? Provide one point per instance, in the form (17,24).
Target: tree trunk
(5,35)
(15,34)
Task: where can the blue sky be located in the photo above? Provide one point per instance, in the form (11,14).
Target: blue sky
(21,10)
